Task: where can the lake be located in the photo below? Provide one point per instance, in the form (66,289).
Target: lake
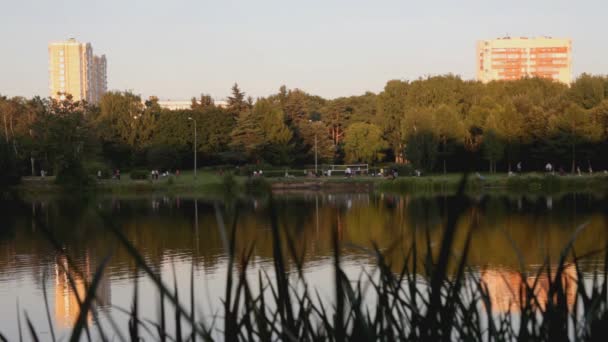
(176,235)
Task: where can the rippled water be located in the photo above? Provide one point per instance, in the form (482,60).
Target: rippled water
(172,233)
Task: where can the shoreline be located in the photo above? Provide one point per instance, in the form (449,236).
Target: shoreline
(537,183)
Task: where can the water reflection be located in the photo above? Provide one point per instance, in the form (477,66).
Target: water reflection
(175,231)
(71,285)
(508,289)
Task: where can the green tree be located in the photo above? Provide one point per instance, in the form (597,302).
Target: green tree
(363,142)
(204,103)
(391,112)
(493,149)
(421,141)
(237,103)
(449,128)
(118,120)
(68,141)
(247,136)
(576,126)
(588,91)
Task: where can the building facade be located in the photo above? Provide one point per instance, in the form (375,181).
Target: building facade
(514,58)
(186,104)
(74,70)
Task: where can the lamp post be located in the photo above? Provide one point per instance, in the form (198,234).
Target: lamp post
(316,173)
(195,145)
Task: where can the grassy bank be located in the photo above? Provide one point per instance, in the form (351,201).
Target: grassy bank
(214,183)
(527,183)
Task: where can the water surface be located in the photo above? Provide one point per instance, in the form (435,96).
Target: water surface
(172,233)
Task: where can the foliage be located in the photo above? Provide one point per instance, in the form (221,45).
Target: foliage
(493,149)
(162,157)
(439,118)
(363,143)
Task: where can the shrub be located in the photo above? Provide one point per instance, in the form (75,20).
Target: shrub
(71,174)
(138,174)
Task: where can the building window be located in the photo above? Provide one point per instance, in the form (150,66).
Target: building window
(61,59)
(60,52)
(61,72)
(61,66)
(62,78)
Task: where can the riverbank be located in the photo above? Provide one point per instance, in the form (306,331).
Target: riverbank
(524,183)
(213,183)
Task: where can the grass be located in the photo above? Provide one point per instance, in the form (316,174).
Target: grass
(209,182)
(526,183)
(423,300)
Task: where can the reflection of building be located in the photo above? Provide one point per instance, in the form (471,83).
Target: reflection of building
(507,290)
(74,70)
(514,58)
(66,302)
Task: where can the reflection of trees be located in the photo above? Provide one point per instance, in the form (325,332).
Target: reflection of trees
(162,228)
(507,290)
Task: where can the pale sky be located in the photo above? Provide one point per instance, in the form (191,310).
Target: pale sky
(177,49)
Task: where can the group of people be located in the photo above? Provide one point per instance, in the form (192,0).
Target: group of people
(155,174)
(115,174)
(550,169)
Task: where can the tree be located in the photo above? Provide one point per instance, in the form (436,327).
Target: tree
(206,102)
(276,145)
(576,126)
(509,125)
(309,132)
(68,141)
(421,142)
(493,148)
(118,118)
(247,135)
(588,91)
(391,112)
(363,142)
(449,128)
(236,102)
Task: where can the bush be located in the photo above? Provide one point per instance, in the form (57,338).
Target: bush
(71,174)
(138,174)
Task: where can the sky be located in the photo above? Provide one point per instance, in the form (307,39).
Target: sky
(177,49)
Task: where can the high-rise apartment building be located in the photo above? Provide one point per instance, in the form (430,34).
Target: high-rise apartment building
(74,70)
(513,58)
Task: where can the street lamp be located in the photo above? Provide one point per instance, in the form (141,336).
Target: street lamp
(195,146)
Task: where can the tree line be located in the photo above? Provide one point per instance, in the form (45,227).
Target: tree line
(434,124)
